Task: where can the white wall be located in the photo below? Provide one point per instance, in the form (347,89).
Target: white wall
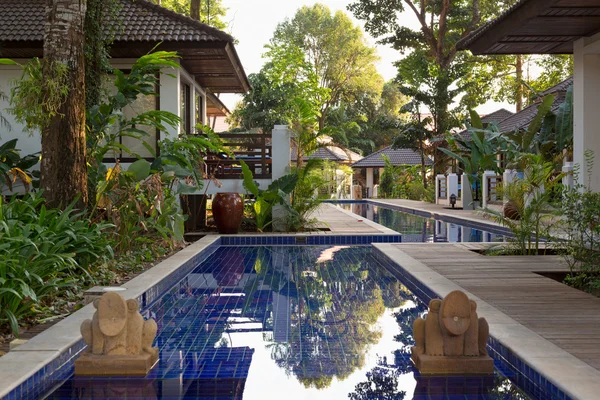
(586,100)
(28,143)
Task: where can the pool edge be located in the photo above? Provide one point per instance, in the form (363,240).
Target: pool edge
(572,376)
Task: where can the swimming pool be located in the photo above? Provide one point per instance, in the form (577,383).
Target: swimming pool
(294,322)
(415,228)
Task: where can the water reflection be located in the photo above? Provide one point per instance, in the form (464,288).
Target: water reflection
(419,229)
(309,321)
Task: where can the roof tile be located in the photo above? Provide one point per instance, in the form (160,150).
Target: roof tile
(396,156)
(138,20)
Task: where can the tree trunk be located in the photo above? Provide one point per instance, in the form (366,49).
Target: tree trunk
(195,9)
(519,78)
(423,169)
(63,168)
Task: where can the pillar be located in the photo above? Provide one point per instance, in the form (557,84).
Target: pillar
(281,155)
(586,118)
(567,180)
(485,187)
(369,182)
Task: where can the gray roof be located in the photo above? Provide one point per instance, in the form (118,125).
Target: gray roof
(137,21)
(396,156)
(331,153)
(559,87)
(497,116)
(523,118)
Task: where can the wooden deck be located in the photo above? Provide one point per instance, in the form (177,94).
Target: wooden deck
(566,317)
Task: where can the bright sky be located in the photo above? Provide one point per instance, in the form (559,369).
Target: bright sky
(252,23)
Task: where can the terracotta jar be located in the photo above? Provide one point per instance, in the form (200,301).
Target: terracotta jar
(228,210)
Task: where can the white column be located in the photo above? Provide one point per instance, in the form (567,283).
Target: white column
(452,186)
(508,176)
(567,180)
(467,196)
(281,155)
(485,187)
(586,118)
(169,97)
(369,182)
(375,191)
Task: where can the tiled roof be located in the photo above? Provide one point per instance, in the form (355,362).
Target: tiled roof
(522,119)
(396,156)
(559,87)
(331,153)
(497,116)
(138,21)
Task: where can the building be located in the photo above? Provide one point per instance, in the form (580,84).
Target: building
(208,59)
(375,162)
(556,27)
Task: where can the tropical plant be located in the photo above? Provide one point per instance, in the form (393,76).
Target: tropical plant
(581,226)
(304,197)
(479,151)
(264,200)
(43,251)
(13,167)
(531,197)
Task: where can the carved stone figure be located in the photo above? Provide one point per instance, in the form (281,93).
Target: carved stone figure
(119,340)
(451,339)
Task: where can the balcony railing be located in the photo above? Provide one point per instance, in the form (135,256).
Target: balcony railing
(253,148)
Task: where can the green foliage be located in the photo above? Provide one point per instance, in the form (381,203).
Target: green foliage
(106,124)
(531,197)
(272,100)
(303,199)
(43,251)
(480,152)
(212,12)
(581,226)
(264,200)
(141,206)
(31,105)
(317,56)
(13,166)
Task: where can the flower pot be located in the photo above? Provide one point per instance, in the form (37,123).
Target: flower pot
(228,210)
(510,211)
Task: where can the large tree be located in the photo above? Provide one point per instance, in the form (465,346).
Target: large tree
(210,12)
(63,168)
(335,48)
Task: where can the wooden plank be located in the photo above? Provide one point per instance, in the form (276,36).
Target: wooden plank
(565,316)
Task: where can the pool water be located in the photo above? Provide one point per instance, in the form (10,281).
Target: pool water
(287,322)
(415,228)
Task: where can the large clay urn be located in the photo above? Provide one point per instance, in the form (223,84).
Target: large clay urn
(228,210)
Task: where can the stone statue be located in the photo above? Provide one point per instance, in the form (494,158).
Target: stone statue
(119,340)
(452,339)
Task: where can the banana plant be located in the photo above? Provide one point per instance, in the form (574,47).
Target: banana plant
(481,150)
(277,193)
(13,167)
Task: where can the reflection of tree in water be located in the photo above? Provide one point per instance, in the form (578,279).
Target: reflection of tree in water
(337,305)
(381,384)
(382,381)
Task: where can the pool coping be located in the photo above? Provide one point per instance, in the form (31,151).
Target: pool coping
(572,376)
(33,363)
(25,366)
(488,226)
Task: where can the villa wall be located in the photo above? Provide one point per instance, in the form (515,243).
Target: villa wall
(586,99)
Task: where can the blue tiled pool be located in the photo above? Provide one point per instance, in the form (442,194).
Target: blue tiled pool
(288,322)
(415,228)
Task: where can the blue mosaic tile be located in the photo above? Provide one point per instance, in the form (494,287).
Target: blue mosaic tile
(226,310)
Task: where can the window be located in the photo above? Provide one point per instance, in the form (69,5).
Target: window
(185,108)
(136,146)
(199,114)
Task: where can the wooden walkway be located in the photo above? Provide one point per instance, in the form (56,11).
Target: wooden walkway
(566,317)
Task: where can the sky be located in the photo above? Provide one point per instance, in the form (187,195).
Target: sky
(252,23)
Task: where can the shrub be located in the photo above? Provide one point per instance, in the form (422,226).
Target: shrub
(43,250)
